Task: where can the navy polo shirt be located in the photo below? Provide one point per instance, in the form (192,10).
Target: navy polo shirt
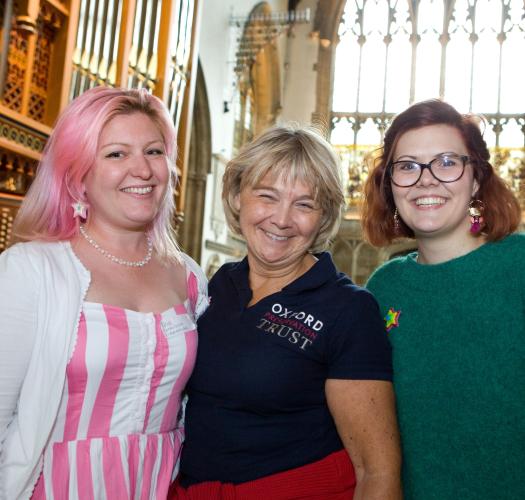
(257,402)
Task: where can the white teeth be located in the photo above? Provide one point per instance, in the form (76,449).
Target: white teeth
(275,237)
(138,190)
(429,200)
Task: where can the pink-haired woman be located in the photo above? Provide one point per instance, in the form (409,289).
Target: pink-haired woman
(98,310)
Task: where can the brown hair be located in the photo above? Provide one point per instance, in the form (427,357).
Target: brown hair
(502,213)
(297,153)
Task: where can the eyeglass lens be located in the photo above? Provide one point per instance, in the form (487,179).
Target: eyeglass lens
(445,168)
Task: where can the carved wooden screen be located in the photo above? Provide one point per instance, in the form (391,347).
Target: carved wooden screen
(395,52)
(31,47)
(14,61)
(26,67)
(8,208)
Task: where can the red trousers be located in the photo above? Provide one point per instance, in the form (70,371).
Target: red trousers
(331,478)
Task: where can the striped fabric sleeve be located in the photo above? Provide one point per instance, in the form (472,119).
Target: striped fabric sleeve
(201,302)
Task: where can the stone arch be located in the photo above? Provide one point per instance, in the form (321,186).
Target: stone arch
(199,165)
(326,25)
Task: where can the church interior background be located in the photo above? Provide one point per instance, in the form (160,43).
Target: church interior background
(227,69)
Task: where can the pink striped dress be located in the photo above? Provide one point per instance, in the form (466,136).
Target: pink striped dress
(117,434)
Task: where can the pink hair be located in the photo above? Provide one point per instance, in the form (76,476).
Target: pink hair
(46,212)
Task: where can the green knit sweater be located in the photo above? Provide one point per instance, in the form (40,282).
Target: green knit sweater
(458,335)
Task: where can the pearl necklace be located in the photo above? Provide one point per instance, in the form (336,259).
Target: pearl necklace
(117,260)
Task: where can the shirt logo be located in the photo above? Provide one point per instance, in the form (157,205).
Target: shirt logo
(297,327)
(392,319)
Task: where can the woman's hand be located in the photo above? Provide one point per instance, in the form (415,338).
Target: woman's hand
(364,414)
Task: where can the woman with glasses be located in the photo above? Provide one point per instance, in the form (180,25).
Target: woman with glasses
(455,309)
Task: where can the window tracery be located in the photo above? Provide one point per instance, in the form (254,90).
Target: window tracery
(392,53)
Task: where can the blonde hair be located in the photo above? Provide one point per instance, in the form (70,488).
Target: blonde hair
(297,153)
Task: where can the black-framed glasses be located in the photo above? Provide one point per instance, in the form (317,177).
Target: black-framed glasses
(444,168)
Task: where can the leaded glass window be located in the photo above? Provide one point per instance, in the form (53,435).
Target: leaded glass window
(392,53)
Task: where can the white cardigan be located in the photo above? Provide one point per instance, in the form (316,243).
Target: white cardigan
(42,287)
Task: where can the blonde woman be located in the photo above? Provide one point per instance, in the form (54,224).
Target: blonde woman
(291,396)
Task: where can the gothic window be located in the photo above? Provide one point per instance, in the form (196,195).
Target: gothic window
(392,53)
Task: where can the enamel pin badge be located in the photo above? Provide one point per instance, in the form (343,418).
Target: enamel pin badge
(392,319)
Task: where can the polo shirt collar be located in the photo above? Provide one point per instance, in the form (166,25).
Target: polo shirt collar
(322,271)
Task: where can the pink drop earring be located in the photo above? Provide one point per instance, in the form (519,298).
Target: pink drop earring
(475,211)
